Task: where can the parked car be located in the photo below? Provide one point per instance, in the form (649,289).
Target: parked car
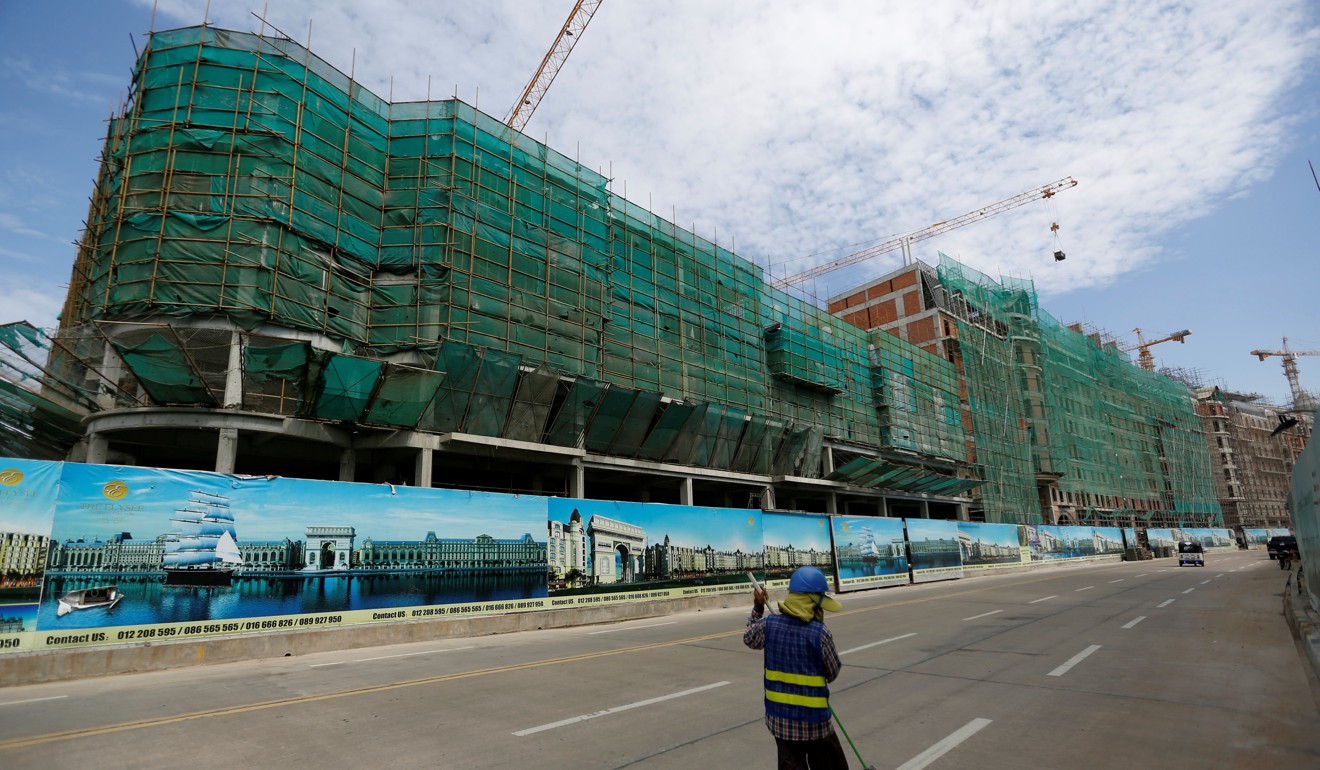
(1281,543)
(1191,553)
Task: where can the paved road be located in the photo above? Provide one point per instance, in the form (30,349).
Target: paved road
(1127,665)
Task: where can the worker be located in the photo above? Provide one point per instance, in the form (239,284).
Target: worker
(800,661)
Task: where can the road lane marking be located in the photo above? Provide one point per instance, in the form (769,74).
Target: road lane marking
(32,700)
(1165,603)
(946,745)
(384,657)
(1088,588)
(617,709)
(983,614)
(1144,574)
(1120,580)
(1074,660)
(1188,591)
(1044,598)
(877,644)
(632,628)
(1219,575)
(1203,582)
(410,654)
(1132,623)
(1161,570)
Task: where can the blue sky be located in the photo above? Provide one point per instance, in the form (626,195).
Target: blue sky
(688,526)
(795,131)
(804,533)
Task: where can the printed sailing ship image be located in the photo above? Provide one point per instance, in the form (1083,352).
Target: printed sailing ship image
(871,552)
(202,551)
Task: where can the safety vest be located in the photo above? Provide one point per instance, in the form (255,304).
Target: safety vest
(795,685)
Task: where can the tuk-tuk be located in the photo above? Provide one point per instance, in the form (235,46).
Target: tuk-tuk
(1191,553)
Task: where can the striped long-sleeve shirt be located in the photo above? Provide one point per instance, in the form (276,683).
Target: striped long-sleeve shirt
(787,729)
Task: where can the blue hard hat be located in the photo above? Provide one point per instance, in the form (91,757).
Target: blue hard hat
(808,580)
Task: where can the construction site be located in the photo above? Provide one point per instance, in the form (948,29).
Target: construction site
(285,274)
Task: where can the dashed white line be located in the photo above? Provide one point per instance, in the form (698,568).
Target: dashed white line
(876,644)
(1074,660)
(1144,574)
(1203,582)
(617,709)
(32,700)
(1165,603)
(1188,591)
(1135,621)
(1219,575)
(385,657)
(983,614)
(1120,580)
(632,628)
(1044,598)
(946,745)
(1088,588)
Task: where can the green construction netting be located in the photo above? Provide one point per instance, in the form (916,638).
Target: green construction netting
(403,396)
(344,386)
(460,363)
(492,395)
(163,370)
(531,406)
(666,431)
(33,426)
(614,408)
(578,405)
(635,424)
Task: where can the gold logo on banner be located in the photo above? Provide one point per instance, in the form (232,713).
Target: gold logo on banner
(11,477)
(115,490)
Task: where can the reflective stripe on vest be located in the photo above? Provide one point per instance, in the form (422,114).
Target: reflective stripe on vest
(806,680)
(806,701)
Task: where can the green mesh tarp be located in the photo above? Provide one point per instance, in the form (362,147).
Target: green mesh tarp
(403,395)
(575,412)
(344,387)
(492,396)
(635,424)
(460,363)
(164,372)
(614,408)
(667,428)
(34,427)
(531,406)
(732,427)
(276,362)
(690,436)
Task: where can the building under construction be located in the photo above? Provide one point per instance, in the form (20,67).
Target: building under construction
(285,274)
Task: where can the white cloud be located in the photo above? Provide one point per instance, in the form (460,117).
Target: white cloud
(40,308)
(796,129)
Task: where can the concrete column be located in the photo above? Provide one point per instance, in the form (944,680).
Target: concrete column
(577,481)
(685,491)
(964,512)
(347,464)
(112,368)
(234,374)
(925,509)
(883,507)
(827,457)
(422,468)
(768,498)
(226,450)
(98,447)
(832,502)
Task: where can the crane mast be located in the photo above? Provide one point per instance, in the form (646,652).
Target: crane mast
(906,240)
(522,110)
(1301,399)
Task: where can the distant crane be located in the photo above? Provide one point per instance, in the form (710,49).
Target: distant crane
(1301,399)
(522,110)
(906,240)
(1144,358)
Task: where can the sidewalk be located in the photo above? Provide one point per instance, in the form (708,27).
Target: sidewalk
(1305,624)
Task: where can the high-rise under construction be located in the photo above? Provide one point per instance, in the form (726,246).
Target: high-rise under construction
(284,273)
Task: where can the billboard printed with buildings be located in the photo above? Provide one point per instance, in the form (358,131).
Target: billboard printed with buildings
(1048,542)
(27,507)
(989,546)
(795,540)
(639,551)
(935,548)
(871,552)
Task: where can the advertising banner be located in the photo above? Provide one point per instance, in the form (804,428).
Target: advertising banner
(795,540)
(1210,537)
(28,491)
(1256,538)
(1048,541)
(934,546)
(1108,541)
(1130,539)
(633,548)
(139,554)
(1162,538)
(988,546)
(870,552)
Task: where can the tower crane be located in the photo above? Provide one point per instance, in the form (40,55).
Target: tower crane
(906,240)
(1144,358)
(1301,399)
(578,18)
